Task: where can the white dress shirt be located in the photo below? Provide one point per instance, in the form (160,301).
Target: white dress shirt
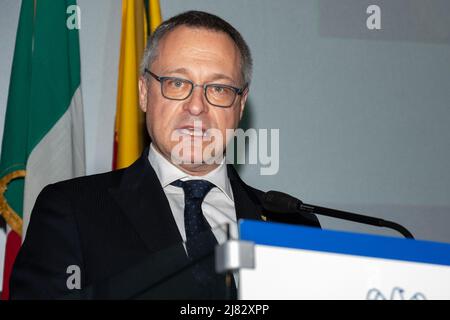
(218,205)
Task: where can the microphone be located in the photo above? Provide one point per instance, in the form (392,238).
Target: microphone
(280,202)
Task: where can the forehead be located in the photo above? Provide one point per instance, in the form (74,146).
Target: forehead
(198,50)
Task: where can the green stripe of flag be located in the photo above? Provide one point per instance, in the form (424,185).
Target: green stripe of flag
(43,81)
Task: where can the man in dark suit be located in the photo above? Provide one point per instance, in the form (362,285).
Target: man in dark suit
(195,78)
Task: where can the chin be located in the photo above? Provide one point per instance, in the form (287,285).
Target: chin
(190,158)
(190,152)
(194,158)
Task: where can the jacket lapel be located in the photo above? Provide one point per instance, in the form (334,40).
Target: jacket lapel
(246,203)
(142,199)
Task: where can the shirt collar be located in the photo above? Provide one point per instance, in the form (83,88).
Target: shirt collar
(167,173)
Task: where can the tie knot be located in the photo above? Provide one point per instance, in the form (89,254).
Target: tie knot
(194,189)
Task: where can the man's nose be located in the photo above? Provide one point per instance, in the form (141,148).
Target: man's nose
(196,103)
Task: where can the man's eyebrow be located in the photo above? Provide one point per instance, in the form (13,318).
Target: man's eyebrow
(178,70)
(220,76)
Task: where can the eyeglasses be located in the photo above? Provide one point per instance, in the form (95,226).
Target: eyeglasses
(219,95)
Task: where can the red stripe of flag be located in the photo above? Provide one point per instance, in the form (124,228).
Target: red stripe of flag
(13,242)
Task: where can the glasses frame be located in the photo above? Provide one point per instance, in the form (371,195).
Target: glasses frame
(160,79)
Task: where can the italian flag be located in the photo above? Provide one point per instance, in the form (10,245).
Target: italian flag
(43,139)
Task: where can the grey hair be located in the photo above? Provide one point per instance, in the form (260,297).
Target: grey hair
(199,19)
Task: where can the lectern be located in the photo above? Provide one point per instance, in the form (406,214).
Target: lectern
(294,262)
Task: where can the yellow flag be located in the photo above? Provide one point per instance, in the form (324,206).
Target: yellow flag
(137,16)
(154,14)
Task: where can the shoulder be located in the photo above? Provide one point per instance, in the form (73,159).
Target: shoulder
(84,185)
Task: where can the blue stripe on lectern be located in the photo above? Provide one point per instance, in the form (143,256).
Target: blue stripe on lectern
(308,238)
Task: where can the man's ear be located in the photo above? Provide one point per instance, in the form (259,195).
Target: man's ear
(143,93)
(243,101)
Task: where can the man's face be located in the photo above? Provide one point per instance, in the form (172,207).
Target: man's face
(203,57)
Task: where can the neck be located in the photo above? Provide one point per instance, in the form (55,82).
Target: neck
(192,169)
(197,169)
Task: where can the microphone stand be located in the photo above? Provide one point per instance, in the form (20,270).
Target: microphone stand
(359,218)
(284,203)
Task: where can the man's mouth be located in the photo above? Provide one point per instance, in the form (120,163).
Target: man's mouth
(192,131)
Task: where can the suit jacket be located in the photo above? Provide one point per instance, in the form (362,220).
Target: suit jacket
(105,224)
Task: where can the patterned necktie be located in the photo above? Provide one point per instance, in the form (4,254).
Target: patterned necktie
(200,240)
(196,226)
